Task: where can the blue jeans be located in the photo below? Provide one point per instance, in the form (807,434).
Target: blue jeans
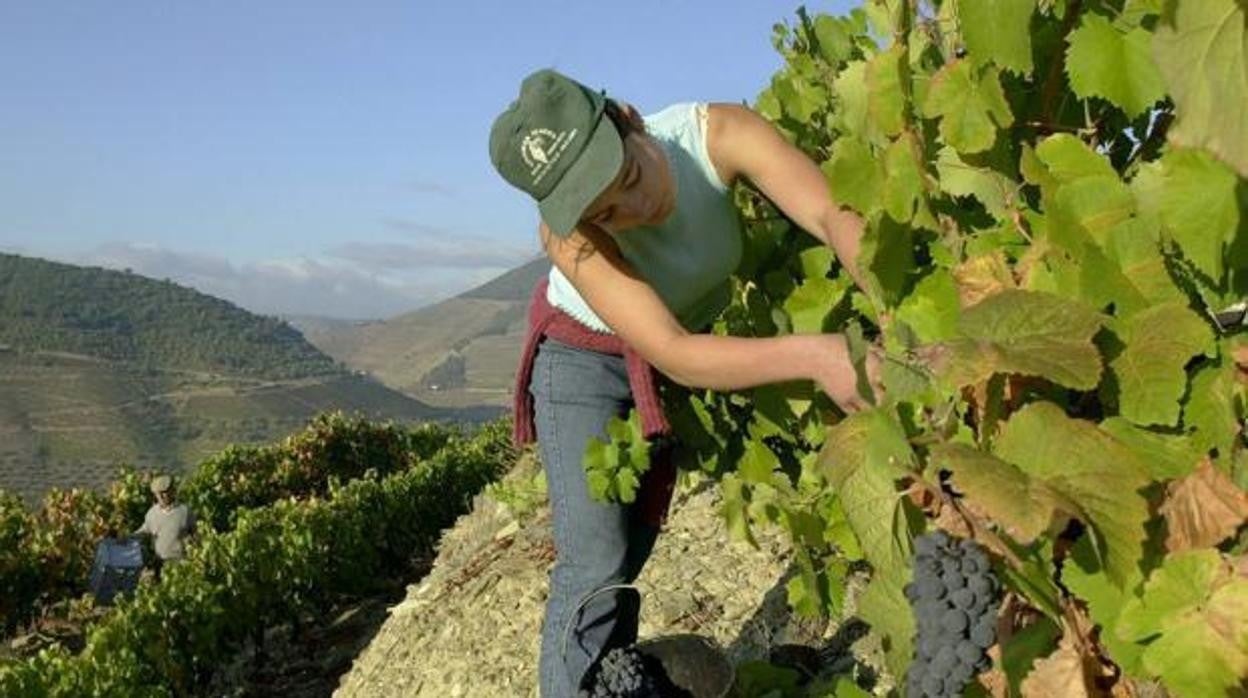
(575,393)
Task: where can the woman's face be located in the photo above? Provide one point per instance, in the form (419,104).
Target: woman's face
(643,193)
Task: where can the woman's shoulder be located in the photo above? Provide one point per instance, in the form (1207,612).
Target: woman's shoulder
(674,118)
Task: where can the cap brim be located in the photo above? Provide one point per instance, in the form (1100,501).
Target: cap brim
(595,169)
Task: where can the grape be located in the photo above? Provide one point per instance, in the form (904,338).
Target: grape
(980,584)
(950,565)
(955,621)
(953,597)
(624,672)
(953,581)
(984,635)
(963,598)
(968,652)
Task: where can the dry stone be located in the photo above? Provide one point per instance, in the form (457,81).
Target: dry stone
(472,626)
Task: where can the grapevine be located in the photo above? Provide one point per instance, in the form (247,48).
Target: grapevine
(1054,238)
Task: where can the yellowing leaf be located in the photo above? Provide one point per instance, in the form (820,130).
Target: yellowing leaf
(982,276)
(1026,506)
(1201,48)
(863,457)
(1091,469)
(1105,62)
(970,104)
(1202,509)
(1026,332)
(1194,614)
(1158,343)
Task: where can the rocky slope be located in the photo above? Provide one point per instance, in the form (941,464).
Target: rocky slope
(471,627)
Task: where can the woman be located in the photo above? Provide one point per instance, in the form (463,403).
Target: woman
(638,222)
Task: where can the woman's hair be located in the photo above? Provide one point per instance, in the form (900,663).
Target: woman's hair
(623,125)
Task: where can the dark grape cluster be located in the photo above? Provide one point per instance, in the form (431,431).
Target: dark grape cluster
(625,672)
(954,596)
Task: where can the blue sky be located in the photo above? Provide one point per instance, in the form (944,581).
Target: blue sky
(319,157)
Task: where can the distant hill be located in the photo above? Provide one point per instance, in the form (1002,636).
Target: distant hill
(456,353)
(120,316)
(99,367)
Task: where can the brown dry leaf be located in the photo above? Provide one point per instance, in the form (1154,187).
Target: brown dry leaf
(1241,362)
(1203,508)
(982,276)
(1059,674)
(949,520)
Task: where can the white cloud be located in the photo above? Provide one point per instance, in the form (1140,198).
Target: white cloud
(335,287)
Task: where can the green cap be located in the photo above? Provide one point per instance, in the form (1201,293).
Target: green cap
(554,144)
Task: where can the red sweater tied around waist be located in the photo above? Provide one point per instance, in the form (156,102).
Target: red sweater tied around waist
(546,320)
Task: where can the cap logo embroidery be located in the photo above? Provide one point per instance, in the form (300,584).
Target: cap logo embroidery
(542,148)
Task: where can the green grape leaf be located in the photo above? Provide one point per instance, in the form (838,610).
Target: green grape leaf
(1211,407)
(1105,62)
(1085,209)
(970,104)
(850,90)
(884,607)
(1066,159)
(863,457)
(1133,246)
(1091,469)
(885,102)
(816,261)
(959,178)
(1167,456)
(811,302)
(1158,343)
(1027,332)
(735,509)
(1081,574)
(903,181)
(886,253)
(854,175)
(798,97)
(1199,208)
(757,463)
(1102,282)
(998,31)
(858,350)
(835,38)
(931,310)
(1194,614)
(1202,50)
(1027,507)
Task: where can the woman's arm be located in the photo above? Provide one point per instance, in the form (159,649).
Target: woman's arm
(590,259)
(743,144)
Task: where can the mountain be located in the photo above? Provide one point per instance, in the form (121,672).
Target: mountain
(99,367)
(459,352)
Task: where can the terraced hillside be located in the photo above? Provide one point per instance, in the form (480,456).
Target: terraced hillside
(99,367)
(457,353)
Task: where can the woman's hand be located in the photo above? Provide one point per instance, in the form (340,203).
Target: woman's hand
(835,375)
